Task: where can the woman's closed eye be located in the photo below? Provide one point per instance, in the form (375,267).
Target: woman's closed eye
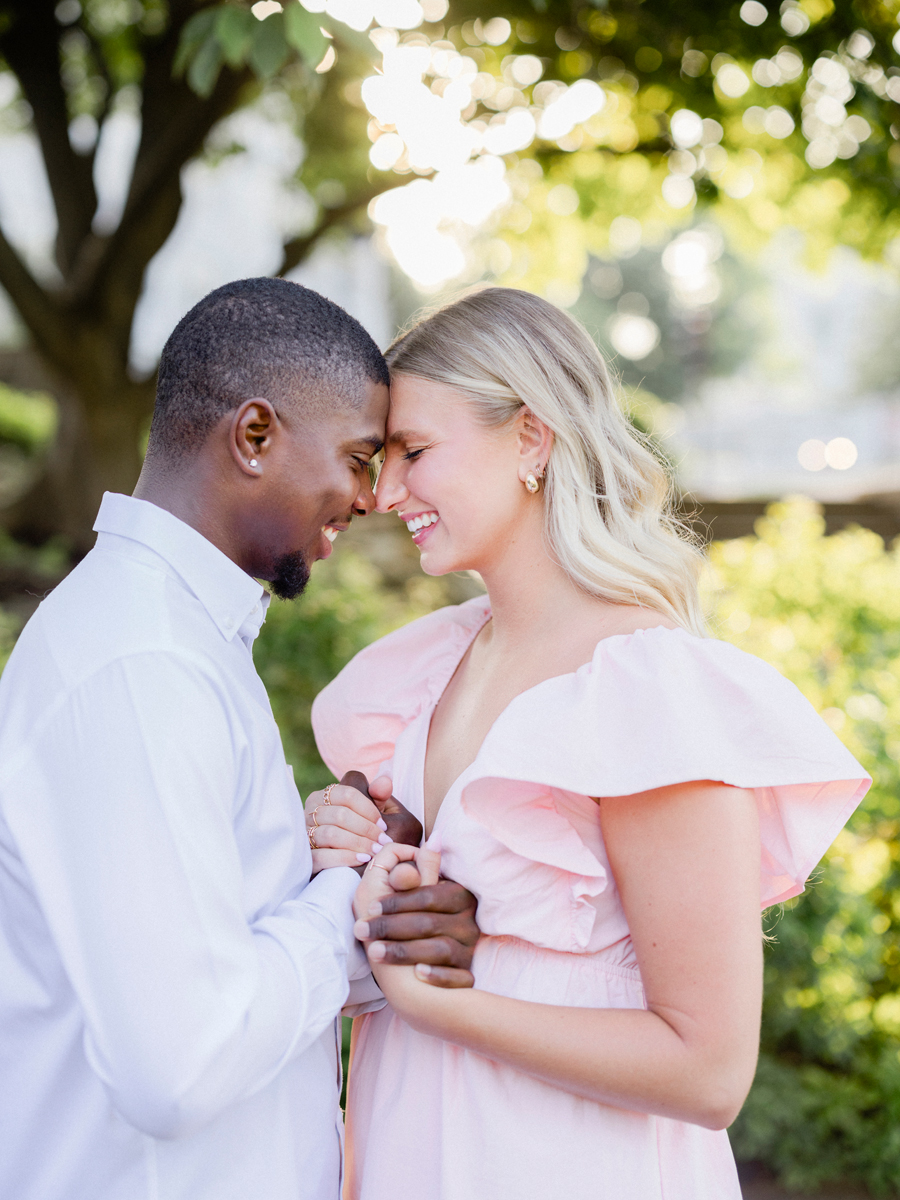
(411,455)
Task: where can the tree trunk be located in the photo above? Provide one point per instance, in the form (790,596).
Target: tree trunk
(102,417)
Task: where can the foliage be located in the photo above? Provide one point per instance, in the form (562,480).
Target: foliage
(826,612)
(303,645)
(27,419)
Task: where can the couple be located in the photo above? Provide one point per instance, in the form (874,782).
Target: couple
(620,794)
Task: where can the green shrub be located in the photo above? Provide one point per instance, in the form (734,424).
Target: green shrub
(826,612)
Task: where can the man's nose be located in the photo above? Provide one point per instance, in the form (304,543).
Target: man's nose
(365,499)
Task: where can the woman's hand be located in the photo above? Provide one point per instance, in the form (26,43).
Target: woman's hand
(400,868)
(397,868)
(350,821)
(345,828)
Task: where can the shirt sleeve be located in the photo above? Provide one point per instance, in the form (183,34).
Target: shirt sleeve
(122,806)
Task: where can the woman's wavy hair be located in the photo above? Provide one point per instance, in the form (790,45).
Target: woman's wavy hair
(609,521)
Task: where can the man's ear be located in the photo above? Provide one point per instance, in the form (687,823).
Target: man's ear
(535,443)
(253,429)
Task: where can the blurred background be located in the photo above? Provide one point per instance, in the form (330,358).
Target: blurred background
(710,187)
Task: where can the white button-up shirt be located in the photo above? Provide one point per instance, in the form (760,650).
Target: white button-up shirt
(169,977)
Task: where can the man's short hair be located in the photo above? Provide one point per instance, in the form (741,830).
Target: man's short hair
(258,337)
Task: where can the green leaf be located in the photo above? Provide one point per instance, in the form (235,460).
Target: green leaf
(194,34)
(234,29)
(205,67)
(270,49)
(302,31)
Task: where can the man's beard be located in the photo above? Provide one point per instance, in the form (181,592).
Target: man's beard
(291,576)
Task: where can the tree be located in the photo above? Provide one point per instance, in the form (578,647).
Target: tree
(73,62)
(769,117)
(588,110)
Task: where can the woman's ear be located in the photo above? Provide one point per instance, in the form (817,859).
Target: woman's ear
(253,426)
(535,441)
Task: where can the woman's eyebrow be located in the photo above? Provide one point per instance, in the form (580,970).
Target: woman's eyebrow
(403,435)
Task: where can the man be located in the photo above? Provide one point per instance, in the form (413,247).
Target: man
(169,976)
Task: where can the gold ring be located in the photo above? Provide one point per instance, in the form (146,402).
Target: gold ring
(311,834)
(315,818)
(326,795)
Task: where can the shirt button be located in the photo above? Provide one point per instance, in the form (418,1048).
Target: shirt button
(228,623)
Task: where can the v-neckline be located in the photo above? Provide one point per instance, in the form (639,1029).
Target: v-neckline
(541,683)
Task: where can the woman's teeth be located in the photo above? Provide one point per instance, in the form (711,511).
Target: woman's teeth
(330,532)
(421,522)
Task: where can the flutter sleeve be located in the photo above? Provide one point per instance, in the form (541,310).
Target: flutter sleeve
(357,719)
(655,708)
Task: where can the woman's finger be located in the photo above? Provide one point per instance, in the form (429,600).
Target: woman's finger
(394,854)
(335,837)
(330,816)
(429,864)
(323,859)
(404,877)
(342,796)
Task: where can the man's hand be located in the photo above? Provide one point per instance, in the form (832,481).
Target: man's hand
(402,826)
(434,926)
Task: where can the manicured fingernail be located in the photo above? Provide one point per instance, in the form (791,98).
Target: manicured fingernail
(375,910)
(377,951)
(381,823)
(364,858)
(361,930)
(423,970)
(376,846)
(385,839)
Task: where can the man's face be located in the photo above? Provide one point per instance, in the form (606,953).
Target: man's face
(316,478)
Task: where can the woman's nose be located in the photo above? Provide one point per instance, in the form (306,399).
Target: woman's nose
(390,489)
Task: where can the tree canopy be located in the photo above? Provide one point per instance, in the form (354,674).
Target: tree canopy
(499,138)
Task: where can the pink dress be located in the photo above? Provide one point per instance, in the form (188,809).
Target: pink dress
(430,1121)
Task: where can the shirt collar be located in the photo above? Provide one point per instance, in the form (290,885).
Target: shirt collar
(234,600)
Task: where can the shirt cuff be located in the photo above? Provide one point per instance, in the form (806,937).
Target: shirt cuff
(334,889)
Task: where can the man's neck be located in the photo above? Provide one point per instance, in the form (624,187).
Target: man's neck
(185,495)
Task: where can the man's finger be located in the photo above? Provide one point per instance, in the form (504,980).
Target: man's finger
(445,896)
(445,977)
(409,927)
(436,951)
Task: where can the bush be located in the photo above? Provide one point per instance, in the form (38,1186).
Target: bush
(826,612)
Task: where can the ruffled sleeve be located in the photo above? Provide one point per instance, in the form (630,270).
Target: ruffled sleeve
(359,716)
(655,708)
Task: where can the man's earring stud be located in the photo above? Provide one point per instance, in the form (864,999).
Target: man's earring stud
(253,462)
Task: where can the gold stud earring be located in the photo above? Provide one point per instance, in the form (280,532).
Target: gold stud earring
(532,483)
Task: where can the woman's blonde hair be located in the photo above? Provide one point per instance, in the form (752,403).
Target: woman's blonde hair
(609,521)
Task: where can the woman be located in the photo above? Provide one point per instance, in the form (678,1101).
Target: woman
(620,793)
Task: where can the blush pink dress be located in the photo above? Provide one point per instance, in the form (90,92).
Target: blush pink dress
(430,1121)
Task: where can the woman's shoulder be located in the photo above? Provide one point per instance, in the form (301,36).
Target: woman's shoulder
(359,715)
(661,706)
(658,707)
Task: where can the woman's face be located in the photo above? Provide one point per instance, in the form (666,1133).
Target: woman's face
(455,483)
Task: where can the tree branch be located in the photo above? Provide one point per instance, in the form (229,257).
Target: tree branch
(37,309)
(31,47)
(298,249)
(174,126)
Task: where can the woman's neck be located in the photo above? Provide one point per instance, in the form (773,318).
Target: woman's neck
(531,595)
